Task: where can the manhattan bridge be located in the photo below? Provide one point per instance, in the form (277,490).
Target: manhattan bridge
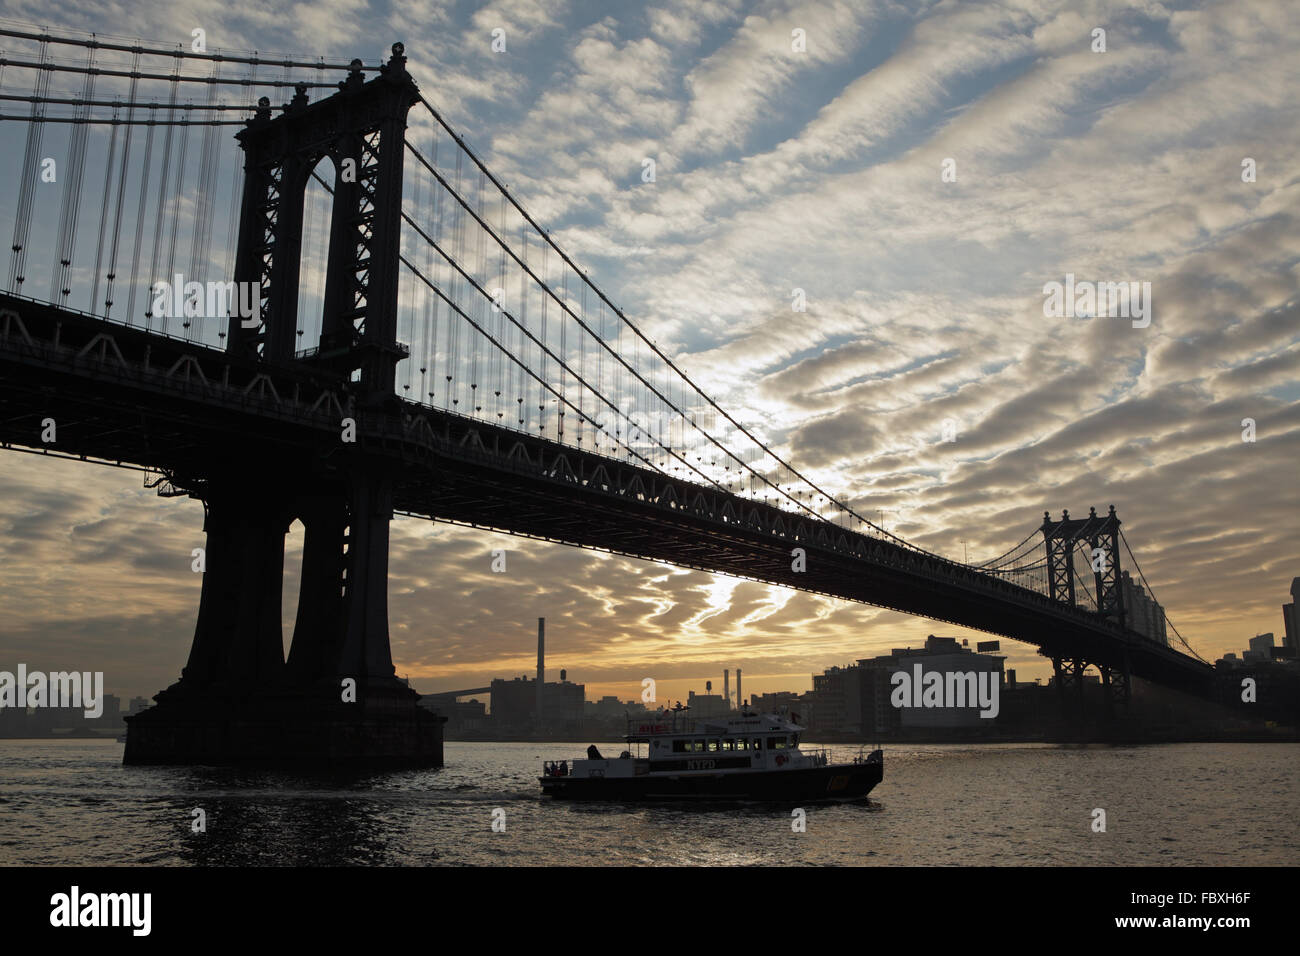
(290,290)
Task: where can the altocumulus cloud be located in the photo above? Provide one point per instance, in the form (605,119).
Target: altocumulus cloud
(820,171)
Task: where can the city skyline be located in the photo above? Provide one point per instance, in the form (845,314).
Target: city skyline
(819,171)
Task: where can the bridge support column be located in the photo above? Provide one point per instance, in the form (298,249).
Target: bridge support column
(238,643)
(337,701)
(318,628)
(366,649)
(1069,687)
(1117,683)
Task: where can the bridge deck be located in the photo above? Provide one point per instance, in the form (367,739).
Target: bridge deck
(123,394)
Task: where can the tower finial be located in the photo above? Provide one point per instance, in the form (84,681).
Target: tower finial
(395,68)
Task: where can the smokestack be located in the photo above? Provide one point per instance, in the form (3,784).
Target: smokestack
(708,687)
(740,701)
(541,666)
(726,687)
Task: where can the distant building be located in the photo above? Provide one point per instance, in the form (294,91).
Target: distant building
(944,654)
(857,699)
(707,705)
(1275,676)
(1291,619)
(1141,613)
(514,704)
(463,716)
(1261,649)
(563,702)
(608,707)
(837,700)
(775,702)
(110,721)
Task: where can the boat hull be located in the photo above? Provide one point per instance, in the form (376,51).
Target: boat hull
(842,782)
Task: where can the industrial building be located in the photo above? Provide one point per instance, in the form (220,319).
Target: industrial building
(514,705)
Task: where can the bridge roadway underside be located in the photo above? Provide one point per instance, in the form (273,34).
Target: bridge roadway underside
(124,395)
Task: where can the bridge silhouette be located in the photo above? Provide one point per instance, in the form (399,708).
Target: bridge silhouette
(388,330)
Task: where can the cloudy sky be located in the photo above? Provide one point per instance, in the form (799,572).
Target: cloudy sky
(803,145)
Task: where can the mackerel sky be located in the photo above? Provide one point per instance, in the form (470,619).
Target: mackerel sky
(817,169)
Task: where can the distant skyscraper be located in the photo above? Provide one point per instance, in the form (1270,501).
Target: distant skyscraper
(1291,618)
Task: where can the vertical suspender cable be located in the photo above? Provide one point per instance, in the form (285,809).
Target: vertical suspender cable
(29,176)
(438,205)
(499,369)
(133,281)
(476,269)
(524,294)
(103,214)
(545,341)
(70,206)
(121,191)
(458,244)
(178,192)
(236,190)
(201,241)
(162,193)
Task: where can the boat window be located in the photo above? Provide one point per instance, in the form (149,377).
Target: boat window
(728,744)
(757,743)
(681,746)
(775,743)
(699,746)
(713,746)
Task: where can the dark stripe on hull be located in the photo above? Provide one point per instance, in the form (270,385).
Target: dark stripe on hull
(848,781)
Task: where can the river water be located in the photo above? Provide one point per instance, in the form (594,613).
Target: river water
(71,802)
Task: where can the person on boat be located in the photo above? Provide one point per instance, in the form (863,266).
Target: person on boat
(564,768)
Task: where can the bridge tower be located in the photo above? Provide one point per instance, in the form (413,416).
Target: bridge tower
(337,698)
(1100,534)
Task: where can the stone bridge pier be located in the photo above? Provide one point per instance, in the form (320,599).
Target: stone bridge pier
(336,700)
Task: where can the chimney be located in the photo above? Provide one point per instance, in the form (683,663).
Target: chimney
(739,700)
(541,666)
(726,687)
